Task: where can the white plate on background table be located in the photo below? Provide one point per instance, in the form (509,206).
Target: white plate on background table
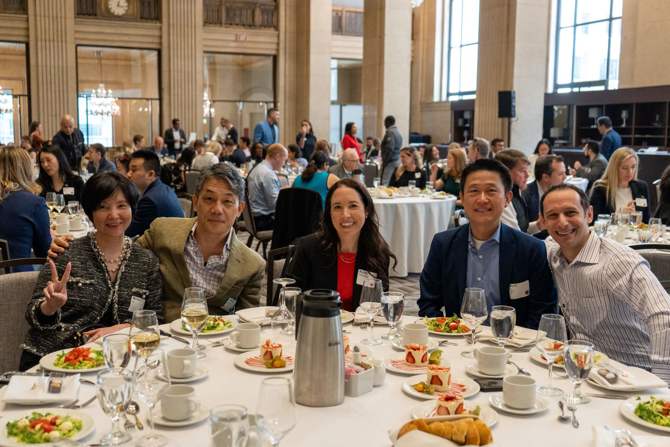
(346,316)
(627,410)
(257,314)
(537,357)
(200,415)
(427,410)
(200,373)
(241,361)
(176,327)
(471,369)
(47,362)
(87,425)
(471,387)
(496,401)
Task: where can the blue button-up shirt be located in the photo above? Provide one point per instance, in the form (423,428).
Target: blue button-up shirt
(484,266)
(264,186)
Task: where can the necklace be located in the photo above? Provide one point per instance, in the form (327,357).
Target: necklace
(114,263)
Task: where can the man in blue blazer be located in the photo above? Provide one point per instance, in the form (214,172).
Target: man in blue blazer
(510,266)
(611,140)
(549,171)
(157,200)
(267,132)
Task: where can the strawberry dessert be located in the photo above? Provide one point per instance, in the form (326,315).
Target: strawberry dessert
(416,354)
(439,376)
(449,404)
(270,351)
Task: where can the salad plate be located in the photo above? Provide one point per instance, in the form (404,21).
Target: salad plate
(215,325)
(82,359)
(449,326)
(69,424)
(648,411)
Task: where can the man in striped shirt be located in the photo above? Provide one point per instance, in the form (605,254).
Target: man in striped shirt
(606,291)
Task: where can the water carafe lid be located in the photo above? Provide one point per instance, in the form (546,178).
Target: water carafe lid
(321,303)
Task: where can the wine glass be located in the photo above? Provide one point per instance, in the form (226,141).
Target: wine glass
(51,200)
(291,295)
(229,425)
(117,350)
(393,305)
(59,203)
(550,341)
(578,363)
(149,391)
(194,315)
(113,392)
(276,406)
(600,227)
(147,338)
(503,320)
(656,228)
(376,182)
(73,207)
(370,304)
(474,311)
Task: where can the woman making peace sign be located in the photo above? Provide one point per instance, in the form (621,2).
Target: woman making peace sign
(95,286)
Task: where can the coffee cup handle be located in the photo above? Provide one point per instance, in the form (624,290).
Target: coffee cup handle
(195,406)
(234,337)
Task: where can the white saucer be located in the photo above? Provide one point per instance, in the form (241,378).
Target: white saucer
(471,369)
(496,401)
(195,418)
(425,410)
(228,344)
(471,387)
(200,373)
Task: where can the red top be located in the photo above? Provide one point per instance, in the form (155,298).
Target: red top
(346,267)
(349,141)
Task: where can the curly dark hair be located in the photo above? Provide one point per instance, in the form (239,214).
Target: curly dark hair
(370,243)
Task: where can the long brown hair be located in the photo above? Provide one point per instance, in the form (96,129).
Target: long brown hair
(16,171)
(460,160)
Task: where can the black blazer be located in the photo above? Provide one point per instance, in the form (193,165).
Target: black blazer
(532,197)
(313,267)
(168,137)
(639,190)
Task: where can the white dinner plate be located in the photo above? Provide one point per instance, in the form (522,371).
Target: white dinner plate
(471,369)
(241,362)
(537,357)
(399,366)
(200,415)
(448,334)
(346,316)
(47,362)
(176,327)
(87,425)
(200,373)
(427,410)
(471,387)
(256,314)
(496,401)
(627,410)
(398,346)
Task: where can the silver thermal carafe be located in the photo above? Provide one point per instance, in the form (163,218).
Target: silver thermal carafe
(319,357)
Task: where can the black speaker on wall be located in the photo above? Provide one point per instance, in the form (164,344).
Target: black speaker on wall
(506,104)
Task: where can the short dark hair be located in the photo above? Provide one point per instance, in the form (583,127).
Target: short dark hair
(229,142)
(272,109)
(496,141)
(101,186)
(246,140)
(175,121)
(486,164)
(227,173)
(389,121)
(99,148)
(540,143)
(151,160)
(604,121)
(198,143)
(583,199)
(137,138)
(510,157)
(593,146)
(544,164)
(295,149)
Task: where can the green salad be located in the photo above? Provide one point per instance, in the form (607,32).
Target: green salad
(656,411)
(80,358)
(447,325)
(39,428)
(214,323)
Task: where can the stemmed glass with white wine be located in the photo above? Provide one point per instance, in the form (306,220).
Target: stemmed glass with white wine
(550,341)
(147,336)
(474,311)
(51,201)
(370,304)
(59,203)
(194,314)
(503,320)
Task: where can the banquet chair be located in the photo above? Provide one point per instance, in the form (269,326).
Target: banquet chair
(370,172)
(276,267)
(7,265)
(186,205)
(4,250)
(192,179)
(16,290)
(263,237)
(658,257)
(298,213)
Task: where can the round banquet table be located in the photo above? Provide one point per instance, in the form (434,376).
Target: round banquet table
(408,224)
(366,420)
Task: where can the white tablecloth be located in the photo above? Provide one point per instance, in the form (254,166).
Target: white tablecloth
(409,224)
(365,420)
(579,182)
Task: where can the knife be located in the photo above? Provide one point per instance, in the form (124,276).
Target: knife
(167,334)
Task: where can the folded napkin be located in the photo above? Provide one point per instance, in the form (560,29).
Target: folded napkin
(521,337)
(32,390)
(635,379)
(361,317)
(606,437)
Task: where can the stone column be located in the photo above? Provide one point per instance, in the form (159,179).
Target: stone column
(181,63)
(387,58)
(53,74)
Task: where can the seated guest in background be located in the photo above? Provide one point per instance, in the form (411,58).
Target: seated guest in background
(122,163)
(619,190)
(409,170)
(295,159)
(57,176)
(449,178)
(96,159)
(611,140)
(542,148)
(71,141)
(479,148)
(430,158)
(349,140)
(264,186)
(509,265)
(203,159)
(111,277)
(37,138)
(324,146)
(221,131)
(305,139)
(515,214)
(138,142)
(596,166)
(241,154)
(258,153)
(228,150)
(316,177)
(157,199)
(497,145)
(375,151)
(369,145)
(347,165)
(663,209)
(24,217)
(159,147)
(549,171)
(267,131)
(348,246)
(606,291)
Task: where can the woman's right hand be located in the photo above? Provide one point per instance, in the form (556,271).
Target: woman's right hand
(55,293)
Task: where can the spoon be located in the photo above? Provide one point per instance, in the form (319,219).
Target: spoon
(572,408)
(563,417)
(608,375)
(132,408)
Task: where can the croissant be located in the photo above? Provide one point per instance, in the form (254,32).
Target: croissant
(465,431)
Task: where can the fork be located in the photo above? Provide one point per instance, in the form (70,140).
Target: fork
(521,370)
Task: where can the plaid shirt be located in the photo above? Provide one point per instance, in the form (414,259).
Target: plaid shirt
(210,274)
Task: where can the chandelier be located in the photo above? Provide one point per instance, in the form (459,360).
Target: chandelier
(6,103)
(103,102)
(416,3)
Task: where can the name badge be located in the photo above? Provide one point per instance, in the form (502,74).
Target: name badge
(417,175)
(68,191)
(365,278)
(229,307)
(519,290)
(136,303)
(641,202)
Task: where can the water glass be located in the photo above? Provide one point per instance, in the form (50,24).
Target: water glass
(194,314)
(149,391)
(370,304)
(635,219)
(376,182)
(600,227)
(276,407)
(392,307)
(605,217)
(644,235)
(117,350)
(656,228)
(550,341)
(73,207)
(412,185)
(474,311)
(229,426)
(281,319)
(430,187)
(579,358)
(503,320)
(291,295)
(114,389)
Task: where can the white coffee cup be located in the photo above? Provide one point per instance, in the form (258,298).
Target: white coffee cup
(62,219)
(178,403)
(247,335)
(182,363)
(76,223)
(62,228)
(519,392)
(414,333)
(491,360)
